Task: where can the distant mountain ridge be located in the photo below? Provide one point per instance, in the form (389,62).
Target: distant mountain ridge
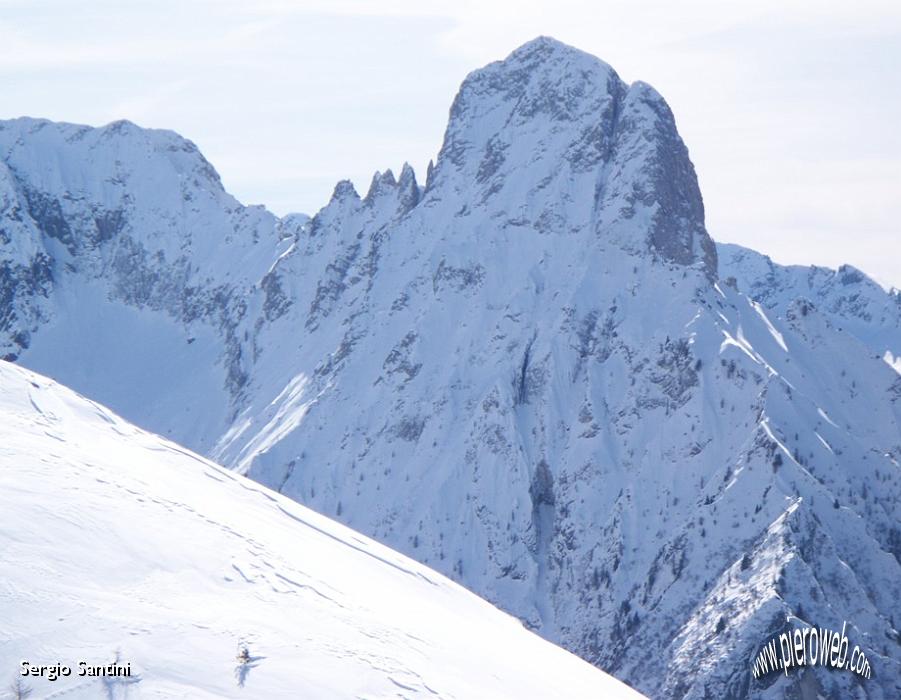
(532,372)
(853,301)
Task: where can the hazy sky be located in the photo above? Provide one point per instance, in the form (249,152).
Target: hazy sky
(790,110)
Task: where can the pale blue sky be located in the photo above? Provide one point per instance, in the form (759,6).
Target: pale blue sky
(790,109)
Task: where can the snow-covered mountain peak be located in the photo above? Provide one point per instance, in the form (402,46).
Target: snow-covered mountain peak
(121,144)
(381,182)
(545,93)
(102,226)
(404,191)
(543,76)
(552,138)
(102,197)
(344,189)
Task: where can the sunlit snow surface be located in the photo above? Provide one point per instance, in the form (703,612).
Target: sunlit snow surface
(115,540)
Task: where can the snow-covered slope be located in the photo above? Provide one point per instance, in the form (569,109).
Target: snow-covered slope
(524,373)
(125,269)
(116,541)
(852,301)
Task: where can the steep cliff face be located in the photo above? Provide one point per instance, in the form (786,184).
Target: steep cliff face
(526,374)
(556,133)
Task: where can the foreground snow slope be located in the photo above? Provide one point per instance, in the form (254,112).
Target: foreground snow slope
(114,539)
